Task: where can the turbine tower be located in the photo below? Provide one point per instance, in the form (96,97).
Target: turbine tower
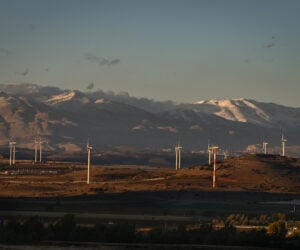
(178,156)
(264,147)
(225,154)
(35,149)
(89,148)
(283,141)
(209,150)
(12,153)
(214,148)
(38,146)
(41,145)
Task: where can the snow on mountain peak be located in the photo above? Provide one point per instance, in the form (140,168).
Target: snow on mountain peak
(66,96)
(69,97)
(241,110)
(101,101)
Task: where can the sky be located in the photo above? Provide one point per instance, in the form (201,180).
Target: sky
(180,50)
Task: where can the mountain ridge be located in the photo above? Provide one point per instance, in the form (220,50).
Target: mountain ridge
(68,117)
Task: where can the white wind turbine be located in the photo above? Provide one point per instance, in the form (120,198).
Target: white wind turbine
(264,146)
(283,141)
(178,156)
(41,148)
(12,153)
(225,154)
(38,146)
(35,149)
(88,148)
(209,150)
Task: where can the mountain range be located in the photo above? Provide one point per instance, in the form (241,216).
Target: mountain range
(66,119)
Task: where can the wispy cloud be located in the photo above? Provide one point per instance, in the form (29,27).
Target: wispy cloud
(31,27)
(5,52)
(90,86)
(271,43)
(114,61)
(25,73)
(101,61)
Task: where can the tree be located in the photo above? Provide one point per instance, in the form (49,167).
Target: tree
(33,230)
(65,227)
(277,229)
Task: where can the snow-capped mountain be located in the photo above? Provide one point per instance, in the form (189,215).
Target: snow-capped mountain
(240,110)
(248,111)
(66,118)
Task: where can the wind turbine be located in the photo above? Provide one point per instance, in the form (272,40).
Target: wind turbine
(12,153)
(283,141)
(209,150)
(35,149)
(264,146)
(41,150)
(225,154)
(38,146)
(178,156)
(214,149)
(89,148)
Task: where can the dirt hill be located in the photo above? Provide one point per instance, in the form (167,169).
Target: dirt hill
(269,173)
(261,173)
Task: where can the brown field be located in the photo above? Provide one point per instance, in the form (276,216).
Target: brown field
(115,193)
(246,173)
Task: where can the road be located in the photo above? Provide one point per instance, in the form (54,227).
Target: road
(104,216)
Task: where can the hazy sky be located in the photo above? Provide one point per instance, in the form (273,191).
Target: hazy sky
(182,50)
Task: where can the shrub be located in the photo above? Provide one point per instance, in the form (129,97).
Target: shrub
(277,229)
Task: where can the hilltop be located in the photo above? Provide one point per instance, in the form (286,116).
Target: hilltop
(264,173)
(258,173)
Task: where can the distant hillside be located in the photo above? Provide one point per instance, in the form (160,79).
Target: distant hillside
(66,119)
(258,173)
(267,173)
(247,173)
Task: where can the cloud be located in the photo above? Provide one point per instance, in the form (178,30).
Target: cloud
(5,52)
(101,61)
(31,27)
(92,58)
(90,86)
(270,45)
(114,61)
(247,60)
(25,73)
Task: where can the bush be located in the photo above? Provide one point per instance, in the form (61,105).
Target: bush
(277,229)
(65,227)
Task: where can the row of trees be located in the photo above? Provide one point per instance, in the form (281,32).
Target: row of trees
(33,231)
(261,220)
